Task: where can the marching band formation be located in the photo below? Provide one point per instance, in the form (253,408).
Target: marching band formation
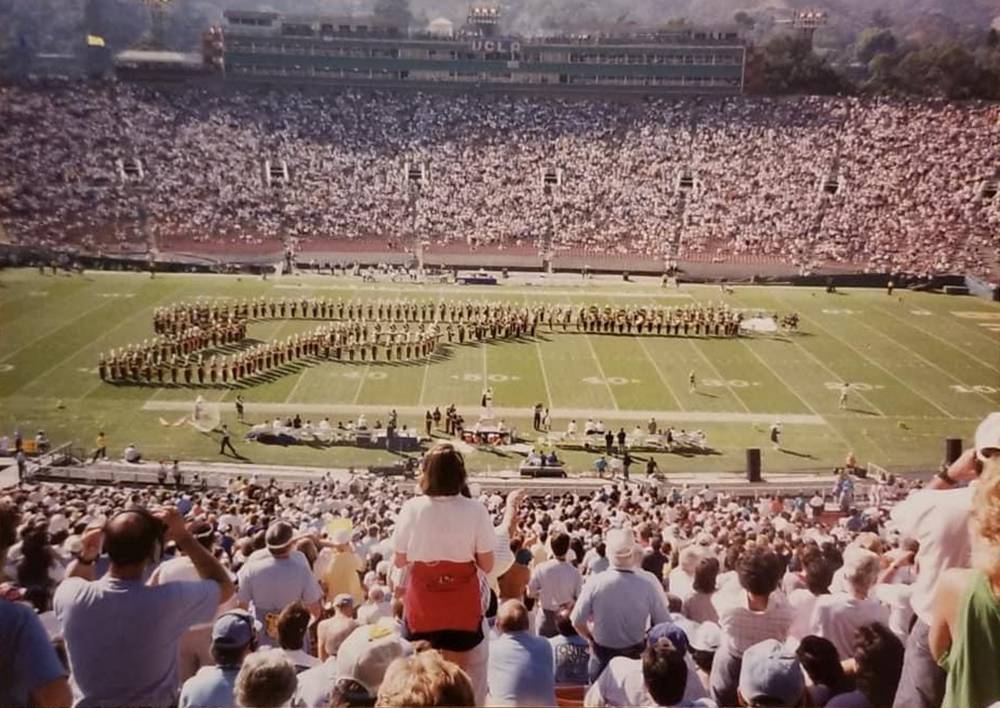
(197,342)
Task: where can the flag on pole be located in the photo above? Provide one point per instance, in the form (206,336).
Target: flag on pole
(94,41)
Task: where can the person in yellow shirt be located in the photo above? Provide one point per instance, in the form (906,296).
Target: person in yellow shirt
(342,574)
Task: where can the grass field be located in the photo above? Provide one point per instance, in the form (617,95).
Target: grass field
(925,367)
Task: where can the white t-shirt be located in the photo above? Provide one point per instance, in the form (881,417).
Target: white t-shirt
(939,521)
(802,602)
(838,617)
(453,528)
(556,583)
(621,684)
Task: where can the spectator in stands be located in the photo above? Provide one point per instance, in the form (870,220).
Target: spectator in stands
(823,668)
(30,672)
(556,583)
(770,675)
(747,617)
(377,607)
(266,680)
(680,582)
(196,645)
(654,560)
(234,637)
(878,660)
(122,636)
(514,583)
(332,632)
(703,646)
(660,676)
(341,575)
(425,679)
(700,606)
(965,632)
(275,579)
(521,667)
(38,567)
(937,518)
(443,536)
(818,575)
(9,519)
(293,622)
(838,616)
(616,606)
(571,653)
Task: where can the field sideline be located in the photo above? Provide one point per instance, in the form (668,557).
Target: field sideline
(925,367)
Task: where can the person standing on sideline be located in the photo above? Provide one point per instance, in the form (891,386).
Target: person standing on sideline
(102,447)
(692,381)
(178,477)
(845,388)
(22,464)
(626,464)
(239,407)
(225,442)
(775,435)
(536,419)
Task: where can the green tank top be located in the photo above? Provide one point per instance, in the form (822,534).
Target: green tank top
(972,661)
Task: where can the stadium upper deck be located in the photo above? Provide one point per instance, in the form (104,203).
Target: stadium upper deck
(267,45)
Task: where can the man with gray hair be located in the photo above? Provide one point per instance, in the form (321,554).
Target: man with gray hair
(266,680)
(838,616)
(616,606)
(520,668)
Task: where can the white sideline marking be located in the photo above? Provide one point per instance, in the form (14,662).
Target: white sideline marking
(718,374)
(950,345)
(540,290)
(526,412)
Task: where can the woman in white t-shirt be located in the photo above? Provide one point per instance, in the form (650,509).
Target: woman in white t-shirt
(444,539)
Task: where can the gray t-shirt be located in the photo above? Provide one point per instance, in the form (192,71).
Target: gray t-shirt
(211,687)
(622,603)
(270,584)
(122,636)
(27,659)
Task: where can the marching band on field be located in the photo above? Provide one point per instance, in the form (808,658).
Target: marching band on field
(192,337)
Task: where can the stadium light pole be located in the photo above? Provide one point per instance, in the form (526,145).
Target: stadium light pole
(551,181)
(415,176)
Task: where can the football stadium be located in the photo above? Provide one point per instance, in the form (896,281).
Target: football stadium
(539,354)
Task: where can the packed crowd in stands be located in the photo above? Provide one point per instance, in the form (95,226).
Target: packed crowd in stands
(360,593)
(907,175)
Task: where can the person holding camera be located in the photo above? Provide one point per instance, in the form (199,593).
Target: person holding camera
(122,635)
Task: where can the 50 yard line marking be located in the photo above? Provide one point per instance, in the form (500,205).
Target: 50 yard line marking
(600,370)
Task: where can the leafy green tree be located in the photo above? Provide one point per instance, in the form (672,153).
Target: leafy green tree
(874,41)
(787,64)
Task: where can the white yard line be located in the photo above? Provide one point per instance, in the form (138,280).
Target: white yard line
(794,392)
(874,363)
(993,367)
(104,333)
(49,332)
(545,377)
(361,384)
(718,373)
(659,372)
(923,359)
(526,412)
(836,377)
(295,388)
(600,370)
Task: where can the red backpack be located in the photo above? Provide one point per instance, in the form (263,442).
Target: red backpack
(443,595)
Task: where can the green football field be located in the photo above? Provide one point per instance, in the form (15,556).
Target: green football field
(923,367)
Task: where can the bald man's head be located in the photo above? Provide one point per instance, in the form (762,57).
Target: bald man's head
(131,537)
(512,616)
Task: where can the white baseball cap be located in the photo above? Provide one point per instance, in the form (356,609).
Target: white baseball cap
(988,435)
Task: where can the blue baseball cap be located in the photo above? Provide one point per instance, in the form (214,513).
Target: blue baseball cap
(234,630)
(668,630)
(771,670)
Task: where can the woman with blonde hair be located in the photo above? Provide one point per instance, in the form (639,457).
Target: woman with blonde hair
(965,633)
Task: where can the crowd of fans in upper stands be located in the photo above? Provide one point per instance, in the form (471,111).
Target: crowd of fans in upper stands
(359,592)
(910,173)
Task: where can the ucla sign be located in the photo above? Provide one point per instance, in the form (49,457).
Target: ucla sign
(495,45)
